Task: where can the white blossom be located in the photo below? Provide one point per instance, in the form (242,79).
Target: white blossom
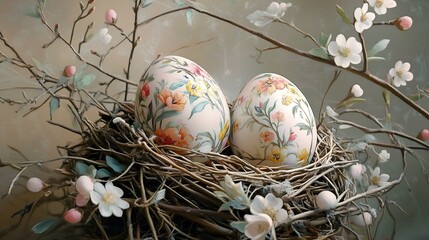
(381,6)
(274,11)
(363,18)
(258,225)
(383,156)
(377,180)
(270,205)
(109,199)
(401,74)
(35,184)
(103,36)
(345,51)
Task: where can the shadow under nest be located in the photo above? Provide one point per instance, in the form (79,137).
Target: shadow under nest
(190,207)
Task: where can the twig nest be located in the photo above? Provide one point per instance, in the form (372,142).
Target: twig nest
(362,219)
(326,200)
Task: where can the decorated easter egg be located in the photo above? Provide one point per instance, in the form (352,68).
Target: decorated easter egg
(182,105)
(272,123)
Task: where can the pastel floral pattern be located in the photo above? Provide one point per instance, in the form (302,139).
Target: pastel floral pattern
(182,105)
(274,109)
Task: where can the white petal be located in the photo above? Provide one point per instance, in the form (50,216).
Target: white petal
(358,14)
(105,210)
(273,201)
(359,27)
(406,67)
(117,211)
(122,204)
(341,40)
(371,3)
(110,187)
(273,8)
(398,65)
(365,8)
(376,172)
(281,216)
(95,197)
(370,17)
(355,58)
(384,177)
(333,48)
(343,62)
(99,188)
(392,72)
(389,4)
(408,76)
(257,205)
(372,187)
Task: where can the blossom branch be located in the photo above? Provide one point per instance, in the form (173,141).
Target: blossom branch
(374,79)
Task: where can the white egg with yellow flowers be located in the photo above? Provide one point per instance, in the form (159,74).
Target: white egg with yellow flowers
(272,123)
(179,103)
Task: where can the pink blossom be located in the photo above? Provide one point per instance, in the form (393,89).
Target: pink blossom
(73,216)
(84,185)
(110,16)
(423,135)
(81,200)
(292,136)
(404,23)
(69,71)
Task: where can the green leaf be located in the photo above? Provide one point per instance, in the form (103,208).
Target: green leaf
(192,98)
(239,225)
(103,173)
(86,80)
(81,168)
(115,165)
(235,204)
(343,15)
(180,3)
(378,47)
(375,58)
(167,114)
(44,225)
(146,3)
(178,84)
(198,108)
(350,102)
(319,52)
(324,39)
(54,104)
(189,16)
(92,171)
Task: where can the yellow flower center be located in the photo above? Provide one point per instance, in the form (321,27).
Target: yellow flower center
(363,18)
(345,52)
(270,212)
(109,198)
(399,73)
(378,3)
(262,228)
(375,180)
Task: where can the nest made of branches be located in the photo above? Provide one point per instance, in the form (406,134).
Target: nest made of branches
(189,209)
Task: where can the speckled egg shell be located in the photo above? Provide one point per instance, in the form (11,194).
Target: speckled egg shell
(272,123)
(182,105)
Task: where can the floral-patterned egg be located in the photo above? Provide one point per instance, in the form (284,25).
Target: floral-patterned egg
(182,105)
(272,123)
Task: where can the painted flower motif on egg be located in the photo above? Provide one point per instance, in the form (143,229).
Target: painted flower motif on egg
(272,123)
(182,105)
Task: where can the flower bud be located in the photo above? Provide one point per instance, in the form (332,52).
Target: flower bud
(326,200)
(35,184)
(73,216)
(404,23)
(357,170)
(110,16)
(356,91)
(423,135)
(69,71)
(81,200)
(84,185)
(361,219)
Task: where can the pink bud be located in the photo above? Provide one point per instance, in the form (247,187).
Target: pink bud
(84,185)
(69,71)
(34,184)
(110,16)
(81,200)
(404,23)
(73,216)
(357,170)
(423,135)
